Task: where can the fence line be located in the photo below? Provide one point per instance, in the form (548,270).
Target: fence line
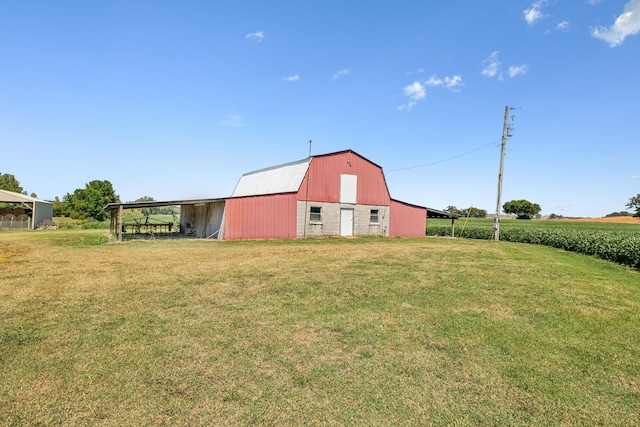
(14,223)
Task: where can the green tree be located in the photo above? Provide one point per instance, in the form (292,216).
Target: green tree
(145,199)
(615,214)
(524,209)
(90,202)
(452,209)
(634,203)
(60,208)
(472,212)
(155,210)
(9,182)
(147,211)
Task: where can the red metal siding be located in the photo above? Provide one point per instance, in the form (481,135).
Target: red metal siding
(406,220)
(261,217)
(324,179)
(275,216)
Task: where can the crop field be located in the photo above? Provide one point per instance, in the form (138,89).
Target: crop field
(612,241)
(356,331)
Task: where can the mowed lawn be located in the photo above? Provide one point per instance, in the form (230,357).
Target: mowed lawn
(364,331)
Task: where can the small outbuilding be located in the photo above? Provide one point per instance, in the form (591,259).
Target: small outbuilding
(22,211)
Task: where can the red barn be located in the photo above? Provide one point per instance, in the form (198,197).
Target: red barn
(335,194)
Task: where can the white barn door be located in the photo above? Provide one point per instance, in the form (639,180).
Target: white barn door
(346,222)
(348,188)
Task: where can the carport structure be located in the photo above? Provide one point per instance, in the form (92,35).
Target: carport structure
(203,218)
(28,211)
(434,213)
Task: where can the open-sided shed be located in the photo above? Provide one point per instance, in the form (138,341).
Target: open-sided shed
(198,218)
(435,213)
(22,211)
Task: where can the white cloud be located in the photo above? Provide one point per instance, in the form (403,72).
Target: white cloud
(408,106)
(517,70)
(448,82)
(415,91)
(492,65)
(453,82)
(635,177)
(232,120)
(293,78)
(256,37)
(340,73)
(492,68)
(625,25)
(534,13)
(563,25)
(433,81)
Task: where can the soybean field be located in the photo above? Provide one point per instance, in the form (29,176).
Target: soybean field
(616,242)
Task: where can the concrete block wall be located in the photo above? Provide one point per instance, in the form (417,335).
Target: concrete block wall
(330,224)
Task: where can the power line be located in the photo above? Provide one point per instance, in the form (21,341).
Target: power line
(443,160)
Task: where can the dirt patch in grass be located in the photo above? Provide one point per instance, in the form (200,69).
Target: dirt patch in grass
(12,249)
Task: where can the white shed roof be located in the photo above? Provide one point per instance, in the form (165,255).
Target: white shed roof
(285,178)
(11,197)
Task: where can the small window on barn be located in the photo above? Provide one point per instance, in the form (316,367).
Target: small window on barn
(315,214)
(374,216)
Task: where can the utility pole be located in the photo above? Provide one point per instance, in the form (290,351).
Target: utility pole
(505,135)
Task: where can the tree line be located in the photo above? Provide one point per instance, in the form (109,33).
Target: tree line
(523,209)
(89,202)
(85,203)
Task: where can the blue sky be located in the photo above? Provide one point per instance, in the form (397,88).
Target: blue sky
(176,100)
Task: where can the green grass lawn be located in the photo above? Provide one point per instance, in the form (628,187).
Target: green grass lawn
(365,331)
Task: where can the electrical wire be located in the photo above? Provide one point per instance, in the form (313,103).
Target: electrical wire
(443,160)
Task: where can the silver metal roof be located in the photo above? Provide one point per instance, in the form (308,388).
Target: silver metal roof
(157,203)
(285,178)
(11,197)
